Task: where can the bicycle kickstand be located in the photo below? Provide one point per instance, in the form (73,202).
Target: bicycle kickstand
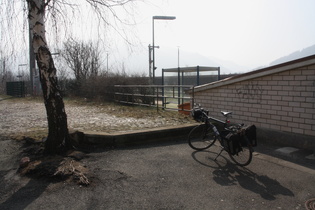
(215,159)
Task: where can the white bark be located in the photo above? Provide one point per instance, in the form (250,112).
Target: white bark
(37,24)
(38,33)
(58,134)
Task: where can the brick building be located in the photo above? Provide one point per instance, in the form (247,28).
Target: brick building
(279,100)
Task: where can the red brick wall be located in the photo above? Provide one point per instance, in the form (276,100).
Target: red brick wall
(282,101)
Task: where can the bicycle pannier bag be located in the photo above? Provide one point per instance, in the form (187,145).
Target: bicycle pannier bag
(250,132)
(197,115)
(233,141)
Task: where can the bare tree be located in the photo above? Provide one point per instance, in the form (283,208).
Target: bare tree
(82,58)
(38,12)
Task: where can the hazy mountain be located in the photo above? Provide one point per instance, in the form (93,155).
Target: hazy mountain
(169,59)
(295,55)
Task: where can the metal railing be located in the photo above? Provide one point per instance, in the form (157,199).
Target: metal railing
(173,97)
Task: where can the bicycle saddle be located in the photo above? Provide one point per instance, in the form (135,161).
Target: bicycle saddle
(225,114)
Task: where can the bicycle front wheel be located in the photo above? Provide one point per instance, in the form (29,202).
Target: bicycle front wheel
(201,137)
(243,157)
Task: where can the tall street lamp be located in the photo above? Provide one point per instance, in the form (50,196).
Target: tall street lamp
(151,61)
(153,46)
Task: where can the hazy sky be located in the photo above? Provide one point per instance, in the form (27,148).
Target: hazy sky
(250,33)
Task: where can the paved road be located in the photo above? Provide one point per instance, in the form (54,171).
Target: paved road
(171,176)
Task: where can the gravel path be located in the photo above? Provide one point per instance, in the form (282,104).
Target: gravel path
(25,115)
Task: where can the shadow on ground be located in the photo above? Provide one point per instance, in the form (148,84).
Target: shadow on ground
(25,195)
(227,173)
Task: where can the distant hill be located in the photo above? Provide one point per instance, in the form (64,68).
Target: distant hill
(167,58)
(295,55)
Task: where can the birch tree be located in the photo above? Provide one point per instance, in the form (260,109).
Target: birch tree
(58,135)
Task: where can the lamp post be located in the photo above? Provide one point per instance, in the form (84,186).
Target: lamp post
(153,46)
(151,61)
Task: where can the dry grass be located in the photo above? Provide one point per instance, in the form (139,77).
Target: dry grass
(85,115)
(116,109)
(121,110)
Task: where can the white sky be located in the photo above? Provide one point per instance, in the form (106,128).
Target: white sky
(250,33)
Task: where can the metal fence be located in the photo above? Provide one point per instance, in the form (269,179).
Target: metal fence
(174,97)
(16,89)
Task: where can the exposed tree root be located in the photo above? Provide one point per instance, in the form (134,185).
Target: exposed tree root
(54,168)
(72,168)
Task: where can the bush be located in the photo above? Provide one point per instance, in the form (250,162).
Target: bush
(101,87)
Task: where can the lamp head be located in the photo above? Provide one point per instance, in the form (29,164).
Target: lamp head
(164,17)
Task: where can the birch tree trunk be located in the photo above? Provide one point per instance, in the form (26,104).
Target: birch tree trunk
(58,134)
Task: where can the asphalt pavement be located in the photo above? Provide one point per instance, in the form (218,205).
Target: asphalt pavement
(173,176)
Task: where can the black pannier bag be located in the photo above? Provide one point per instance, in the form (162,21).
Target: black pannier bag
(232,141)
(197,114)
(250,132)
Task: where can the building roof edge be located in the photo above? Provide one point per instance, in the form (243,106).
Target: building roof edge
(298,63)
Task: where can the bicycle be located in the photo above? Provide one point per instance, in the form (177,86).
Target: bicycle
(237,140)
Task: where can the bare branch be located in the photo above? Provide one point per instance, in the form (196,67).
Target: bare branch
(83,58)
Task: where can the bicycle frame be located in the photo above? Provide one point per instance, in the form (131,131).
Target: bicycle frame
(229,136)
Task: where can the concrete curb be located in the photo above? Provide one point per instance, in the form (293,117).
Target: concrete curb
(180,132)
(103,139)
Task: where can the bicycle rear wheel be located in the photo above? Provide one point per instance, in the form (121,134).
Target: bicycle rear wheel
(243,157)
(201,137)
